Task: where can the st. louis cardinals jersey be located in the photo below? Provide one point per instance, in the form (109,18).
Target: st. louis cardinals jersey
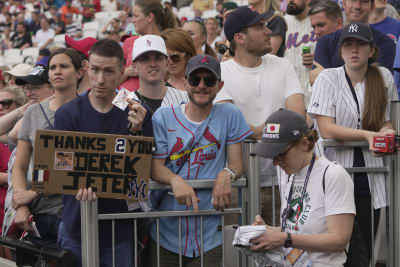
(175,137)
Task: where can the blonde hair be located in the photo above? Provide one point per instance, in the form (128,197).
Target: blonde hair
(19,94)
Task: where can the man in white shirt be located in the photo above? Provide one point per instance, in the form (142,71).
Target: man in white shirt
(258,84)
(45,36)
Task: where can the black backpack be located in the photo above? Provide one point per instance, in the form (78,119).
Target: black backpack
(356,253)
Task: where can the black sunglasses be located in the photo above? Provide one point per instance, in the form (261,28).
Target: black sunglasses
(175,58)
(6,103)
(222,50)
(209,81)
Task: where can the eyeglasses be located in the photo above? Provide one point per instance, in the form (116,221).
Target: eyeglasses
(209,81)
(222,50)
(6,103)
(176,58)
(283,154)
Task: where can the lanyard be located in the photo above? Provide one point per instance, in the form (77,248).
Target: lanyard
(287,212)
(353,92)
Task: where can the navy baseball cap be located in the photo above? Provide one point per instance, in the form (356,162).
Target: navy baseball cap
(357,30)
(204,62)
(241,18)
(37,76)
(281,129)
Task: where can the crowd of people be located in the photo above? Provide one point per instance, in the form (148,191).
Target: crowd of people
(286,73)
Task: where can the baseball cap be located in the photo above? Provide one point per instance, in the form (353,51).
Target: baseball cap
(357,30)
(241,18)
(82,45)
(148,43)
(21,69)
(281,129)
(203,62)
(38,76)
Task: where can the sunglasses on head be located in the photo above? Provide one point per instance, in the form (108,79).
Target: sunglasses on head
(209,81)
(222,50)
(6,103)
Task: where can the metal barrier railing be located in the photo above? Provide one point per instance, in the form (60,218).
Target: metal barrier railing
(386,170)
(248,198)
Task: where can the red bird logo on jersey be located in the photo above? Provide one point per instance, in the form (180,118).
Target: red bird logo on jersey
(210,137)
(177,147)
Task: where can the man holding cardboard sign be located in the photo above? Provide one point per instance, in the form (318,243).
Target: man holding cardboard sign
(94,113)
(194,141)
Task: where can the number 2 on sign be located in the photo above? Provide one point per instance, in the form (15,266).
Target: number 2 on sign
(120,145)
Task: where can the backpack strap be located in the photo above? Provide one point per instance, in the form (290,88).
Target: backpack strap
(323,179)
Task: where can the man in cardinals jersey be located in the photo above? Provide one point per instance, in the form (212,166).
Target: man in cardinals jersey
(195,141)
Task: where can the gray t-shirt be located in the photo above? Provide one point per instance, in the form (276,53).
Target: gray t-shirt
(34,119)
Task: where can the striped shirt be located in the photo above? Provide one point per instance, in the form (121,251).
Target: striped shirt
(332,97)
(298,35)
(172,97)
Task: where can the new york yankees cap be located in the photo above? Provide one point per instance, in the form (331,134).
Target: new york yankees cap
(281,129)
(241,18)
(204,62)
(148,43)
(357,30)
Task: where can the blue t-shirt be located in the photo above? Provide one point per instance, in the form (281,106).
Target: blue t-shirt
(396,66)
(327,50)
(79,115)
(389,26)
(175,136)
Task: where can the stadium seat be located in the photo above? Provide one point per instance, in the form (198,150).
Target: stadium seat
(59,40)
(89,33)
(93,25)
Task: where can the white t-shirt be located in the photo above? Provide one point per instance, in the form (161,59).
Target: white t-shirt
(41,36)
(332,97)
(258,92)
(337,199)
(299,34)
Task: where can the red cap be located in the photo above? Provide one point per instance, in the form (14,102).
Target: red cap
(82,45)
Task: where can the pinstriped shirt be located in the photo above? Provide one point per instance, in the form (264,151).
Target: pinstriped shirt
(332,97)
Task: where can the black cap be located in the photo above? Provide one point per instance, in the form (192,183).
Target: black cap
(38,76)
(204,62)
(357,30)
(281,129)
(241,18)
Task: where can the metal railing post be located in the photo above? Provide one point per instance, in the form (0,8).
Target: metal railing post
(90,234)
(394,205)
(251,172)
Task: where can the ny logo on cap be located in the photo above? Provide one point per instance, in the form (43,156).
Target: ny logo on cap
(148,43)
(204,60)
(252,8)
(353,28)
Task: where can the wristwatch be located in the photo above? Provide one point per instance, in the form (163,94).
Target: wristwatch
(231,172)
(288,241)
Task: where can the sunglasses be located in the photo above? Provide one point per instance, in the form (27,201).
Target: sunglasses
(209,81)
(283,154)
(6,103)
(222,50)
(176,58)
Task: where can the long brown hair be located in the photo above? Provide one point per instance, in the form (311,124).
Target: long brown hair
(375,99)
(164,17)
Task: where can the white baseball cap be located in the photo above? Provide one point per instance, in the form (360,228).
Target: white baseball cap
(21,69)
(148,43)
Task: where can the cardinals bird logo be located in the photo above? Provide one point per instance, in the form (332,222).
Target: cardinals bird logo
(210,137)
(178,146)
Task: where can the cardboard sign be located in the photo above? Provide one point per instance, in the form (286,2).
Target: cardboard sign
(115,166)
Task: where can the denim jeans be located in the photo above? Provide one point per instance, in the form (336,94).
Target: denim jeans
(123,250)
(47,226)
